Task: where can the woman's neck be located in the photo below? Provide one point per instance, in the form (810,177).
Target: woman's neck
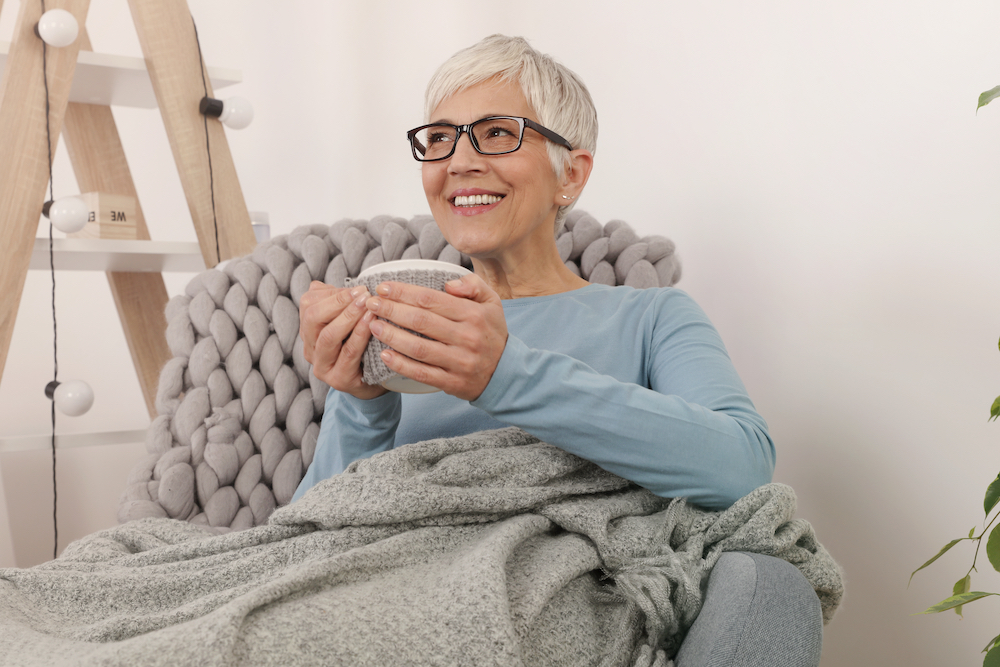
(538,278)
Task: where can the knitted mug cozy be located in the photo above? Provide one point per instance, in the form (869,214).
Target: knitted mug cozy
(374,369)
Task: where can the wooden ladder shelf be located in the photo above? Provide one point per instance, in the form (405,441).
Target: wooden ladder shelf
(167,36)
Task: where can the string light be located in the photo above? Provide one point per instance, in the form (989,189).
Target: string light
(68,214)
(57,27)
(72,398)
(234,112)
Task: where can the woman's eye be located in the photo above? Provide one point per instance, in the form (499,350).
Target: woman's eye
(497,132)
(437,137)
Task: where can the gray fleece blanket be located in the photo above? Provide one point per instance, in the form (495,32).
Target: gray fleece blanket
(488,549)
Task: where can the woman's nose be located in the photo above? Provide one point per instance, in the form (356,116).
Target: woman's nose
(465,157)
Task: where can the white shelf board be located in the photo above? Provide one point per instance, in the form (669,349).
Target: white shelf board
(120,80)
(117,255)
(31,442)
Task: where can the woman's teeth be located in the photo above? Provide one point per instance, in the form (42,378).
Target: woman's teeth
(477,200)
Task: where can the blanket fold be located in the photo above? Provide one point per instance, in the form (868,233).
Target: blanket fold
(488,549)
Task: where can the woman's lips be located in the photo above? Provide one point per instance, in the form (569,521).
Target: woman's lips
(474,204)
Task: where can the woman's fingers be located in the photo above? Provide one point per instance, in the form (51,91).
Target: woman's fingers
(347,310)
(471,287)
(464,327)
(414,318)
(433,313)
(333,325)
(322,305)
(313,315)
(434,301)
(340,365)
(353,349)
(462,371)
(426,350)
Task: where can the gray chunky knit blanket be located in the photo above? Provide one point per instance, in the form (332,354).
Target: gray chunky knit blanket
(488,549)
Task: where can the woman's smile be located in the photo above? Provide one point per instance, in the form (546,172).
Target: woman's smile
(474,201)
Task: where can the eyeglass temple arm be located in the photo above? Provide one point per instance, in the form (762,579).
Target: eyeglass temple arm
(547,133)
(412,138)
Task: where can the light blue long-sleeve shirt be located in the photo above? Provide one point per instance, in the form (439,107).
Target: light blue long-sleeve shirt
(637,381)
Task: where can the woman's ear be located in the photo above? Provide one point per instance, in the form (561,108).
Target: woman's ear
(576,172)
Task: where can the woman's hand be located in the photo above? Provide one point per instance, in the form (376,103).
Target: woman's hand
(465,328)
(334,326)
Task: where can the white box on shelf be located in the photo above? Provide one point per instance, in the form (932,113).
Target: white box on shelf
(111,217)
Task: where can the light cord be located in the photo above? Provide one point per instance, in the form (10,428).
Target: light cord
(52,270)
(208,146)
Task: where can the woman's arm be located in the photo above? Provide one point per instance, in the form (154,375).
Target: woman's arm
(682,427)
(694,432)
(656,398)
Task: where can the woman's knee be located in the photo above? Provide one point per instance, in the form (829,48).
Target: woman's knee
(758,610)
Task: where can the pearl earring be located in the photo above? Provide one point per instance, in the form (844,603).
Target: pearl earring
(569,198)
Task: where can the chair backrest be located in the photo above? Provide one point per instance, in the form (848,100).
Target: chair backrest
(239,408)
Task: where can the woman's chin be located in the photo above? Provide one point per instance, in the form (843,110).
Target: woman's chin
(476,250)
(469,236)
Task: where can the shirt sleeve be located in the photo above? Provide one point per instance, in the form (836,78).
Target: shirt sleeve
(693,432)
(351,429)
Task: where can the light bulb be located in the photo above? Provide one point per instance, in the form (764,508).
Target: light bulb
(72,398)
(57,27)
(235,112)
(68,214)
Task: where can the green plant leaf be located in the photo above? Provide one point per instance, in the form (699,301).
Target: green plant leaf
(992,658)
(961,586)
(944,549)
(992,495)
(988,97)
(991,644)
(993,548)
(995,409)
(956,601)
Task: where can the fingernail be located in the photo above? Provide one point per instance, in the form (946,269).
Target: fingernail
(376,328)
(360,301)
(358,291)
(373,304)
(382,289)
(386,356)
(455,283)
(368,317)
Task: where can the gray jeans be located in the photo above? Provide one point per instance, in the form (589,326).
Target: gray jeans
(759,611)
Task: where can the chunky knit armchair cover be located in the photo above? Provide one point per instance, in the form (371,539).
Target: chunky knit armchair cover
(239,408)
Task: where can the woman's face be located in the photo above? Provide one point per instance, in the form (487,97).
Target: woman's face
(521,221)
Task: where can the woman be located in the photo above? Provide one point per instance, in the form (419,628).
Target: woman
(636,381)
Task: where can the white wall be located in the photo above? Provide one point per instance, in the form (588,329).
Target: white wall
(820,166)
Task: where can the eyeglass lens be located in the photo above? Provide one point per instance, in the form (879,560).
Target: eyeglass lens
(492,136)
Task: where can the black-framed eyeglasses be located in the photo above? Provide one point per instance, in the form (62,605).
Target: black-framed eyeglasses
(493,135)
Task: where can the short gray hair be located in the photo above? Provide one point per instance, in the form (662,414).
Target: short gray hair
(553,91)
